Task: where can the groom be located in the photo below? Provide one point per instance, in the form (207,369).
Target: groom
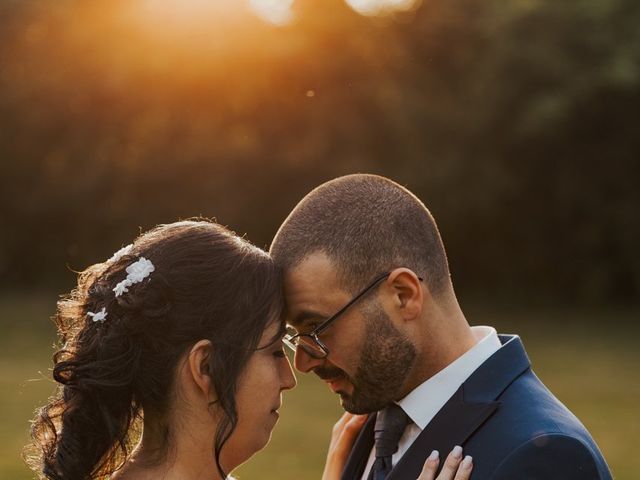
(374,314)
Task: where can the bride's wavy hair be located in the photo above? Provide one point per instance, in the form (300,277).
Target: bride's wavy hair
(208,284)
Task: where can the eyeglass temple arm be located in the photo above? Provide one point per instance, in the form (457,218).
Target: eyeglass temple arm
(330,320)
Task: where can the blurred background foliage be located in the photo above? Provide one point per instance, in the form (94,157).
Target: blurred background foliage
(515,121)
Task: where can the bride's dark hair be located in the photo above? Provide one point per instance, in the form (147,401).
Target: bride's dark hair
(208,284)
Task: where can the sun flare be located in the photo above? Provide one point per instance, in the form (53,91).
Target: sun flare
(377,7)
(170,12)
(277,12)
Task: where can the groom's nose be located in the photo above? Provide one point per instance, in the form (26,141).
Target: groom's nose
(305,362)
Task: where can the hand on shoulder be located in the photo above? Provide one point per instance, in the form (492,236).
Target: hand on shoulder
(344,435)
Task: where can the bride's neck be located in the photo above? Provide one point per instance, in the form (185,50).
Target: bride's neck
(134,469)
(186,457)
(173,467)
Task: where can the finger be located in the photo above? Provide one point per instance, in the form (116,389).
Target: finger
(344,434)
(464,470)
(346,416)
(355,422)
(451,464)
(338,427)
(430,466)
(350,430)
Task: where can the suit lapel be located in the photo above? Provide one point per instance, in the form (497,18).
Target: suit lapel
(450,427)
(472,405)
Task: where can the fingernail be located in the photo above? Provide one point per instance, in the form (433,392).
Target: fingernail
(466,463)
(435,455)
(457,452)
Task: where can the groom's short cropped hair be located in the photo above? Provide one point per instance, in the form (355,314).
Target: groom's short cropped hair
(366,225)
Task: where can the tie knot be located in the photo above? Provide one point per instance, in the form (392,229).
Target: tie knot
(390,424)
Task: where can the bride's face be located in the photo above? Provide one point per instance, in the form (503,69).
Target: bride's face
(259,396)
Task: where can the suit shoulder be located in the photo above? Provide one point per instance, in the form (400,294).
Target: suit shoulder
(528,403)
(553,456)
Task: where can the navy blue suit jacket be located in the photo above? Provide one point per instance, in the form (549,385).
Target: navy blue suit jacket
(507,420)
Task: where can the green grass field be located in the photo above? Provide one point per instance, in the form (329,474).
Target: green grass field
(589,360)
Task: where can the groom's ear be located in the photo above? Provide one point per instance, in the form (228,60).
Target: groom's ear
(199,367)
(408,294)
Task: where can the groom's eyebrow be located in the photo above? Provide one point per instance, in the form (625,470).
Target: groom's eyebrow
(307,316)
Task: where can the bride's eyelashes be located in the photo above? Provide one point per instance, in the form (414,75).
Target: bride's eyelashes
(279,353)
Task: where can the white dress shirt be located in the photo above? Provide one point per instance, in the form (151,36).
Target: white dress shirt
(426,400)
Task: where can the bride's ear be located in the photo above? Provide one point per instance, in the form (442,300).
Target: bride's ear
(199,359)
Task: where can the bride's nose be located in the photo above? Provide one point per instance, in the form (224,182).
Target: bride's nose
(287,377)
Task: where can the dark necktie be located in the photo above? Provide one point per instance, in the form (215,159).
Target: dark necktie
(390,423)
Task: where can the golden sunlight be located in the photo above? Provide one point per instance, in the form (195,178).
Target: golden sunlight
(277,12)
(173,12)
(377,7)
(179,16)
(177,10)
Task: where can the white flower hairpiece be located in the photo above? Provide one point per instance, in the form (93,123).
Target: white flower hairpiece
(136,272)
(121,253)
(100,316)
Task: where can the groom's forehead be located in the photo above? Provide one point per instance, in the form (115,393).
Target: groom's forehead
(306,303)
(312,291)
(311,277)
(316,262)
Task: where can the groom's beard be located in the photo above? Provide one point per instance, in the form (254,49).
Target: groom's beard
(385,362)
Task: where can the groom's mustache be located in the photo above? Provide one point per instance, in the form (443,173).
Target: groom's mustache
(329,373)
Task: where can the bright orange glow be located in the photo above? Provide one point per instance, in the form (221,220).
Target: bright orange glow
(175,15)
(376,7)
(177,9)
(275,11)
(185,34)
(145,52)
(172,13)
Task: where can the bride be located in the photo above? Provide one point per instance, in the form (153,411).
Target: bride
(172,365)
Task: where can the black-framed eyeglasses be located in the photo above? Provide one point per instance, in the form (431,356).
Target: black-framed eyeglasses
(310,343)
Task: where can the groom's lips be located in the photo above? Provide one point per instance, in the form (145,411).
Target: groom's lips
(334,383)
(332,377)
(328,373)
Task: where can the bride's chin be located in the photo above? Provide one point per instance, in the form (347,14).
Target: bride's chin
(235,453)
(262,442)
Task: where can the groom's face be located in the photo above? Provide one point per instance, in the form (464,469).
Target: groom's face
(369,358)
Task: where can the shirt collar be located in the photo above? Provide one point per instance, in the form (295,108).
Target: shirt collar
(424,402)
